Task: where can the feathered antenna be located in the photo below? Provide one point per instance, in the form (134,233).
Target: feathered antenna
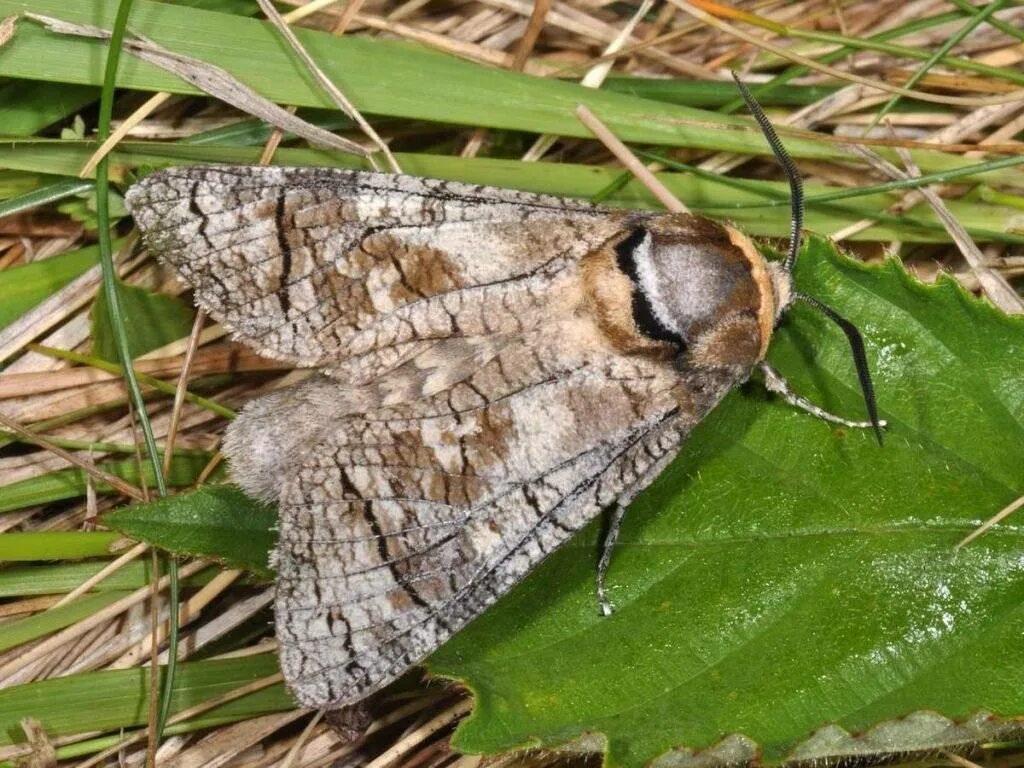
(796,184)
(796,191)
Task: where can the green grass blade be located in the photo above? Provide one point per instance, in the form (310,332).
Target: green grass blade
(41,624)
(26,285)
(765,90)
(111,289)
(999,24)
(47,579)
(901,51)
(709,95)
(51,193)
(55,545)
(381,77)
(111,292)
(27,107)
(568,180)
(71,483)
(94,446)
(111,700)
(149,381)
(936,56)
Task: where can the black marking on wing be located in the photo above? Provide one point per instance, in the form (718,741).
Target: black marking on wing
(477,580)
(643,313)
(382,548)
(286,256)
(195,210)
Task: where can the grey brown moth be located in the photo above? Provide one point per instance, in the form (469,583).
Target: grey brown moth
(495,368)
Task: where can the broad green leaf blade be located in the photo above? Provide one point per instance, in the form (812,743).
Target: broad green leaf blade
(783,574)
(215,521)
(154,319)
(118,699)
(27,107)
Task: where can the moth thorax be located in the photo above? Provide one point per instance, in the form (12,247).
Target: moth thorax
(691,284)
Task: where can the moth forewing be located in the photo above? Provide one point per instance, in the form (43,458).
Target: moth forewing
(497,368)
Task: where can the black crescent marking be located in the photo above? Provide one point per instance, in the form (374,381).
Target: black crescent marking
(643,313)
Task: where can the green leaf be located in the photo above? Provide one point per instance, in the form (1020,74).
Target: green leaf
(27,107)
(119,699)
(74,132)
(783,575)
(214,521)
(82,207)
(26,285)
(154,319)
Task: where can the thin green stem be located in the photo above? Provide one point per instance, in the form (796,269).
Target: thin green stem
(902,51)
(941,177)
(149,381)
(93,445)
(938,55)
(997,197)
(110,290)
(780,197)
(790,73)
(999,24)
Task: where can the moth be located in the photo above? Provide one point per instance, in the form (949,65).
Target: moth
(494,369)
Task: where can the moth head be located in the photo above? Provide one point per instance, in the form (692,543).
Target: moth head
(694,288)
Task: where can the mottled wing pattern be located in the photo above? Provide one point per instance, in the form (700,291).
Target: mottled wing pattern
(316,265)
(267,442)
(471,415)
(409,520)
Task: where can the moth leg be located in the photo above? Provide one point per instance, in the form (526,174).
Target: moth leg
(606,556)
(774,382)
(612,535)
